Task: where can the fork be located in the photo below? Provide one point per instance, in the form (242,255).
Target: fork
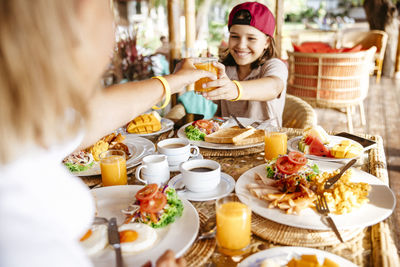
(323,209)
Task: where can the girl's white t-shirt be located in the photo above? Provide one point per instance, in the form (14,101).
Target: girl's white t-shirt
(44,211)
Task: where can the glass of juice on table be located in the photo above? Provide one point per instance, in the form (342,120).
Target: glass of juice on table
(113,168)
(204,63)
(233,225)
(275,141)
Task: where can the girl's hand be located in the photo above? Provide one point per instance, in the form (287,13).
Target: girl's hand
(225,88)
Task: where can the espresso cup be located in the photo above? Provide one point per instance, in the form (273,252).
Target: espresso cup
(177,150)
(154,170)
(200,175)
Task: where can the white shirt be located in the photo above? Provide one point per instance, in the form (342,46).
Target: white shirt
(43,211)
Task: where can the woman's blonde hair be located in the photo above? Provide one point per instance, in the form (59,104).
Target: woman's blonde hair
(39,81)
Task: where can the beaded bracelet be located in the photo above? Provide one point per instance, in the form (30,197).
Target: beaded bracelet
(239,88)
(167,92)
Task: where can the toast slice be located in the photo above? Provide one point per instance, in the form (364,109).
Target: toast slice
(228,135)
(256,137)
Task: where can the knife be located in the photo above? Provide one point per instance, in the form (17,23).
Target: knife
(237,121)
(334,179)
(113,239)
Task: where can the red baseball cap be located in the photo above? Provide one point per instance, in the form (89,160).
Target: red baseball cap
(261,17)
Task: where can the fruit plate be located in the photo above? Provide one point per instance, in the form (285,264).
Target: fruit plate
(166,125)
(282,255)
(293,145)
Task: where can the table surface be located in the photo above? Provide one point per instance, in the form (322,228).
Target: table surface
(373,246)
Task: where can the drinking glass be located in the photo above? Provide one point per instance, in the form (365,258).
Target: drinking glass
(233,225)
(204,63)
(275,140)
(113,168)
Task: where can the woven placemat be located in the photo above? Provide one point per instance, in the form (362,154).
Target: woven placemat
(201,250)
(230,152)
(287,235)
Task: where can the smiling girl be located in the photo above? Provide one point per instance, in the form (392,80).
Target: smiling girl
(250,76)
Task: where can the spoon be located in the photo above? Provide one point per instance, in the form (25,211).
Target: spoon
(209,229)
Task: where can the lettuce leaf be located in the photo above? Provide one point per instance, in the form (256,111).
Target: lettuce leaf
(172,210)
(78,168)
(193,133)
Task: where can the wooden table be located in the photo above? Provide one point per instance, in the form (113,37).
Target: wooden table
(373,246)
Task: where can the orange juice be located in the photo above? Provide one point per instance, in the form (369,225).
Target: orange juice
(233,225)
(275,145)
(113,170)
(208,66)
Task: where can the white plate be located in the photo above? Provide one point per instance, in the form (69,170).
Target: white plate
(293,145)
(226,186)
(282,255)
(178,236)
(175,168)
(139,147)
(229,123)
(380,206)
(166,125)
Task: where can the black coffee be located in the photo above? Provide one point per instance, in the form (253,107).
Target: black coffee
(201,169)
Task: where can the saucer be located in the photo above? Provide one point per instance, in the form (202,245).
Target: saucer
(175,168)
(225,186)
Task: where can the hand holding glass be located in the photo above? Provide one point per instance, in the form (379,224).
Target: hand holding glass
(204,63)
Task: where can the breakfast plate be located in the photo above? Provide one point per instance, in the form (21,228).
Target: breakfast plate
(293,145)
(282,255)
(380,206)
(229,123)
(166,125)
(225,186)
(177,236)
(139,147)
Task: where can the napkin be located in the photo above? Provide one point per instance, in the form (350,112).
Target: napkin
(197,104)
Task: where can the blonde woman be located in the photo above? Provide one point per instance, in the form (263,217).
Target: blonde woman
(52,55)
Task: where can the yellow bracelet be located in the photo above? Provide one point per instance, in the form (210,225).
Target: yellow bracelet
(167,92)
(239,88)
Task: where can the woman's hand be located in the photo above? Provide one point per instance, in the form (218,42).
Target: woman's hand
(168,260)
(225,88)
(187,73)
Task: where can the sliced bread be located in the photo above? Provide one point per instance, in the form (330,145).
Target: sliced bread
(256,137)
(228,135)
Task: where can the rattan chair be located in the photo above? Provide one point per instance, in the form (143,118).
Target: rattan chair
(331,80)
(298,113)
(367,39)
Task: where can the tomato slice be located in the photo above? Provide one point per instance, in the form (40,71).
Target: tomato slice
(154,204)
(285,166)
(297,158)
(147,192)
(204,124)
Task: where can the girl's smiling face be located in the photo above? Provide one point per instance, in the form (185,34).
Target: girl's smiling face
(246,44)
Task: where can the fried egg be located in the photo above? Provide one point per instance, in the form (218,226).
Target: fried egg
(95,240)
(135,237)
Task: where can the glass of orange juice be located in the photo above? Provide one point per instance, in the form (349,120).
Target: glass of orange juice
(204,63)
(113,168)
(233,225)
(275,141)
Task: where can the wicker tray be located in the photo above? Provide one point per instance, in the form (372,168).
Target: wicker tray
(201,250)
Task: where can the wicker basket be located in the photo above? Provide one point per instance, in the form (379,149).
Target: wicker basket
(330,80)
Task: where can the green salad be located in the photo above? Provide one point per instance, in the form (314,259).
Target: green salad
(193,133)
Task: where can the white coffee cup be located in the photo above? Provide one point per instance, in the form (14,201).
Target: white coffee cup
(200,175)
(154,170)
(177,150)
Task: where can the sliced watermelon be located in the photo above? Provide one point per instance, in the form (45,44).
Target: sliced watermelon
(308,140)
(317,148)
